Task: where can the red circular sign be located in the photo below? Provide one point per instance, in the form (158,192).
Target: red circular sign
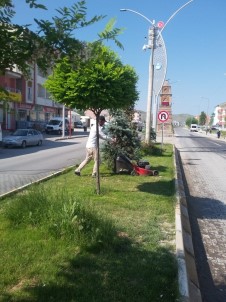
(160,24)
(163,116)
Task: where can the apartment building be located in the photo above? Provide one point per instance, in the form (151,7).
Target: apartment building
(220,115)
(29,103)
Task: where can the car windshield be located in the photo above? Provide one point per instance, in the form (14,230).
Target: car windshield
(20,132)
(54,122)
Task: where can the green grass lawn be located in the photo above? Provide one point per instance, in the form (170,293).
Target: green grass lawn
(62,242)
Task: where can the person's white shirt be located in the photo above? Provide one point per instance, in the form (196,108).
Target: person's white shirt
(92,139)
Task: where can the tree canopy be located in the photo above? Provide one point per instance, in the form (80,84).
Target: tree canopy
(52,40)
(191,120)
(98,82)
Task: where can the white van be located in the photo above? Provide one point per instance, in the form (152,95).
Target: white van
(194,128)
(56,125)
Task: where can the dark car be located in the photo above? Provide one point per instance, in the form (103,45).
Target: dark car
(23,138)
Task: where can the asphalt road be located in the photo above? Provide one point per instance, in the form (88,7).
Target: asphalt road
(204,165)
(19,167)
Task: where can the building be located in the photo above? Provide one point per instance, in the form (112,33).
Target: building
(220,115)
(29,103)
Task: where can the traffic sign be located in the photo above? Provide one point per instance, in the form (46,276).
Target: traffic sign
(163,116)
(160,24)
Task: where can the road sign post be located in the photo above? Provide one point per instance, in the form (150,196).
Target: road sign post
(163,116)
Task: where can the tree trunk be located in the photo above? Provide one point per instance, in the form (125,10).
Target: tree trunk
(98,156)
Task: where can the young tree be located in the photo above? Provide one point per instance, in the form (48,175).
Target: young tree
(128,143)
(202,118)
(99,82)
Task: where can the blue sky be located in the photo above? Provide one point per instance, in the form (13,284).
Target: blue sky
(195,41)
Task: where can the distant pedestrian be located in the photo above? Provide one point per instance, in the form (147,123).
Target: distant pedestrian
(91,146)
(219,133)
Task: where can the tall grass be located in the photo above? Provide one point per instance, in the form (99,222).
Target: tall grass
(62,215)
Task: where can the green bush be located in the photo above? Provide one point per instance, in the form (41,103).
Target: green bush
(127,140)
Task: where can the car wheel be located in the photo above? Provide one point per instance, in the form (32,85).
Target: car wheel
(23,145)
(39,143)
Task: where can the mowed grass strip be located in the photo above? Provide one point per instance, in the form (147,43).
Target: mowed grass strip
(62,242)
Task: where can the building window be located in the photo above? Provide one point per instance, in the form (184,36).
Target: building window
(41,91)
(29,92)
(48,95)
(22,115)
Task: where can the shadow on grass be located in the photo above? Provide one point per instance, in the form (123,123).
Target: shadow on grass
(166,188)
(125,273)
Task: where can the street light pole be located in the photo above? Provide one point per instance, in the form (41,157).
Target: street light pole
(150,86)
(151,45)
(152,38)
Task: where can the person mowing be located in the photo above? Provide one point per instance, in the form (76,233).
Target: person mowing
(91,147)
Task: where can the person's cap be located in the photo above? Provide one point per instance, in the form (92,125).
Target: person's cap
(102,118)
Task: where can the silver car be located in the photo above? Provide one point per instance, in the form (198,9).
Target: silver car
(23,138)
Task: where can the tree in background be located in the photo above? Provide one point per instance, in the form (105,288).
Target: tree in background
(191,120)
(212,118)
(202,118)
(122,128)
(52,40)
(98,82)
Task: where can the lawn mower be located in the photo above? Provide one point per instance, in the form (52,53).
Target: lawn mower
(125,166)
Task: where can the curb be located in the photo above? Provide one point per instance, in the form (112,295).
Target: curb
(182,270)
(187,273)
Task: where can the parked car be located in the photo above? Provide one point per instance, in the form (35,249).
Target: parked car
(215,127)
(56,125)
(23,138)
(78,124)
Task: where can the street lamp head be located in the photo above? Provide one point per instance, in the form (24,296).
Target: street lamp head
(135,12)
(145,47)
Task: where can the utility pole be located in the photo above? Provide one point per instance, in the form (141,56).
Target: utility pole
(151,45)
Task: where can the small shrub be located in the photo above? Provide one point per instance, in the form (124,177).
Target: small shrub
(28,208)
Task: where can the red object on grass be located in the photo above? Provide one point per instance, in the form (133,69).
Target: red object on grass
(142,171)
